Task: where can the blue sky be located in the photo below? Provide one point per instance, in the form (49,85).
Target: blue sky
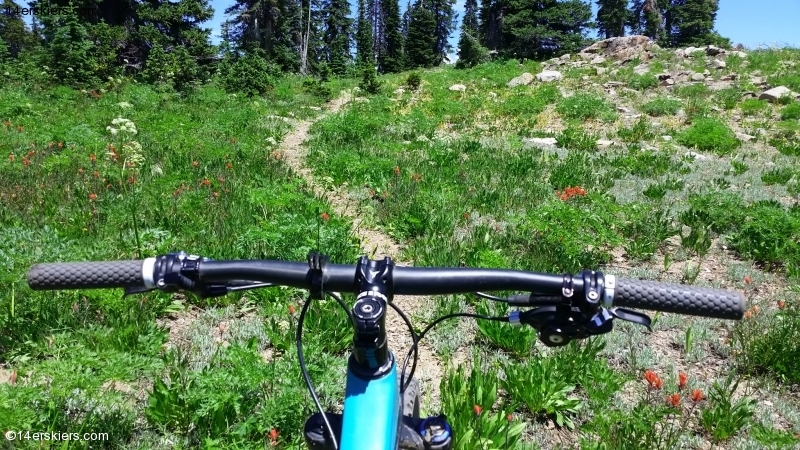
(751,23)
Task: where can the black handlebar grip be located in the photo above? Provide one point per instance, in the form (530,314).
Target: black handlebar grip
(86,275)
(681,299)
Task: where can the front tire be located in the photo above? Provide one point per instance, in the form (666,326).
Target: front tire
(411,399)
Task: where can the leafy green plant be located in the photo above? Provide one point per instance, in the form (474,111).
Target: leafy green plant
(778,175)
(369,81)
(739,167)
(543,389)
(728,98)
(640,131)
(575,138)
(583,106)
(642,82)
(662,106)
(723,418)
(752,107)
(791,111)
(519,342)
(710,135)
(414,80)
(468,400)
(770,235)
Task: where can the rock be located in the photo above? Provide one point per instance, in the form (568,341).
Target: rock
(613,84)
(598,60)
(522,80)
(614,72)
(695,155)
(717,64)
(565,57)
(600,70)
(758,80)
(709,79)
(664,76)
(623,110)
(622,49)
(400,91)
(776,93)
(690,51)
(641,69)
(603,143)
(458,88)
(667,82)
(492,95)
(549,75)
(745,137)
(706,72)
(739,54)
(698,77)
(713,50)
(666,138)
(679,53)
(540,142)
(746,95)
(730,77)
(585,78)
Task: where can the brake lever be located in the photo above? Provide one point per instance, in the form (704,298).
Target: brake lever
(558,325)
(207,291)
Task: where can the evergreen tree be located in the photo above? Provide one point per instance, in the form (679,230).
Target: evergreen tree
(271,25)
(421,41)
(337,36)
(406,20)
(12,29)
(694,22)
(390,57)
(489,26)
(446,20)
(470,50)
(612,15)
(542,28)
(651,18)
(69,49)
(365,54)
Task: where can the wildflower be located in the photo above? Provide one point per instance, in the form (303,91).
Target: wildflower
(510,417)
(273,437)
(416,177)
(674,400)
(747,279)
(11,157)
(20,129)
(233,141)
(7,124)
(781,304)
(291,310)
(755,309)
(124,105)
(216,194)
(80,170)
(682,379)
(13,378)
(195,163)
(229,166)
(131,180)
(60,145)
(26,161)
(697,395)
(221,179)
(466,216)
(477,409)
(205,182)
(397,170)
(747,314)
(92,158)
(92,196)
(96,174)
(325,217)
(652,379)
(31,153)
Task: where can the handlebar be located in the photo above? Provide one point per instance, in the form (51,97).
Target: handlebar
(147,274)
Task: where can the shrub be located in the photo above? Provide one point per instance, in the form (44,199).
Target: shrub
(251,74)
(414,81)
(642,82)
(317,88)
(583,106)
(728,98)
(369,81)
(710,135)
(661,107)
(751,107)
(791,112)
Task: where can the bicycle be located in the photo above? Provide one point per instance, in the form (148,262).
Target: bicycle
(564,307)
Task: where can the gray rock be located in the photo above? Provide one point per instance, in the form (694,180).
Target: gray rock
(758,80)
(664,76)
(745,137)
(540,142)
(746,95)
(667,82)
(776,93)
(621,49)
(623,110)
(730,77)
(679,53)
(666,138)
(399,91)
(641,69)
(739,54)
(598,60)
(717,64)
(698,77)
(613,84)
(549,75)
(458,88)
(600,70)
(689,51)
(713,50)
(522,80)
(603,143)
(565,57)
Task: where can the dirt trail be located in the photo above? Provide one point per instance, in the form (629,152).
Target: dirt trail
(429,369)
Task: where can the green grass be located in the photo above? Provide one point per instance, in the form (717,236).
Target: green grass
(449,177)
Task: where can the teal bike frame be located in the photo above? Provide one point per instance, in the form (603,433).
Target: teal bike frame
(372,412)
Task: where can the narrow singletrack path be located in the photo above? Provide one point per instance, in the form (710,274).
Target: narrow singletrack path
(429,368)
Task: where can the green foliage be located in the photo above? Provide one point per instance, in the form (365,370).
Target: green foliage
(575,138)
(640,131)
(250,74)
(390,59)
(317,88)
(723,418)
(69,52)
(769,342)
(338,35)
(661,107)
(175,69)
(642,82)
(791,111)
(752,107)
(470,51)
(646,232)
(583,106)
(531,32)
(518,342)
(710,135)
(420,45)
(369,81)
(612,16)
(771,235)
(777,175)
(728,98)
(414,81)
(468,400)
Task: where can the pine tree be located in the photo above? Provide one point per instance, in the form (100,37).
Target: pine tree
(694,22)
(406,20)
(543,28)
(421,41)
(489,26)
(365,54)
(470,50)
(390,58)
(446,20)
(337,35)
(272,25)
(612,15)
(651,18)
(13,31)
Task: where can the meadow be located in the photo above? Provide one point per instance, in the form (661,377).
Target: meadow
(699,185)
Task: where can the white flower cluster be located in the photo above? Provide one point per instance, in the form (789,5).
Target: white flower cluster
(124,105)
(120,124)
(133,152)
